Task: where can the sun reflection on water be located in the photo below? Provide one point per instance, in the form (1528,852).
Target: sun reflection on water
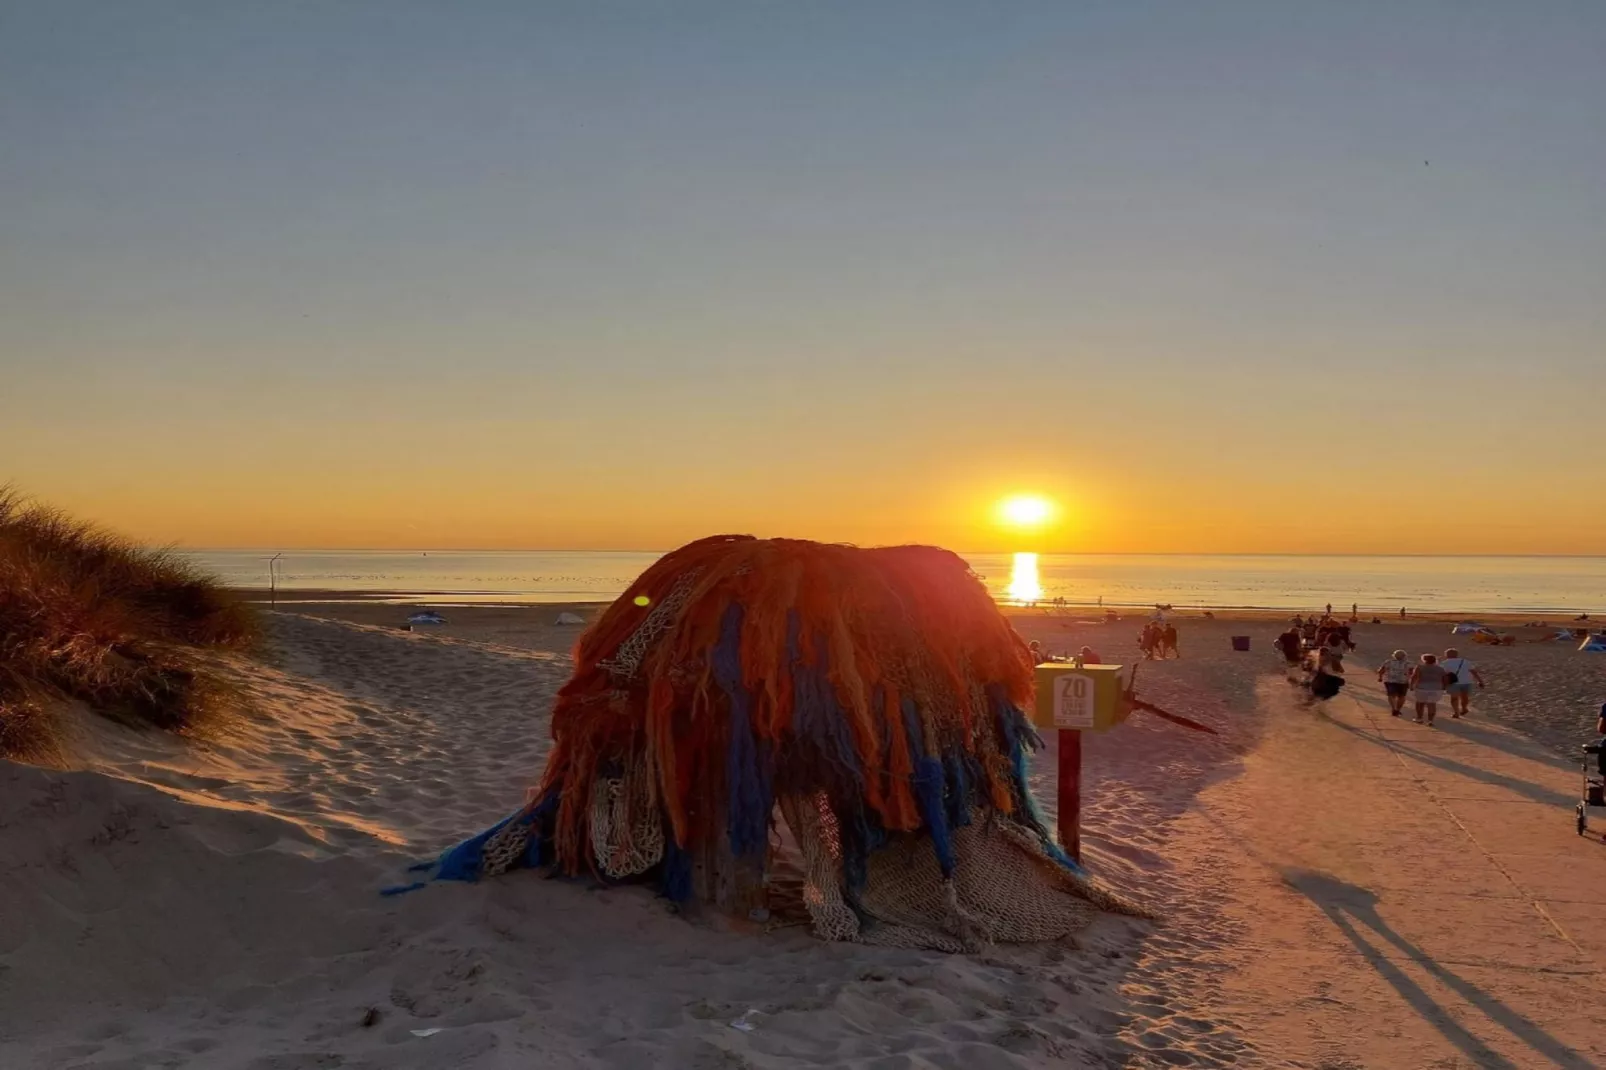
(1024,586)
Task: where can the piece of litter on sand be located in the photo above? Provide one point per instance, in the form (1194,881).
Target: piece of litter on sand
(370,1017)
(425,1032)
(745,1023)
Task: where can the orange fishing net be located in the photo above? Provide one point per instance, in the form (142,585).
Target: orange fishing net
(878,688)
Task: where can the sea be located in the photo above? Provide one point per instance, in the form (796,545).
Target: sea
(1377,584)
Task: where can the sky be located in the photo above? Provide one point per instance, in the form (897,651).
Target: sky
(1227,277)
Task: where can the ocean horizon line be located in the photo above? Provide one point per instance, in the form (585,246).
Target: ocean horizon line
(181,548)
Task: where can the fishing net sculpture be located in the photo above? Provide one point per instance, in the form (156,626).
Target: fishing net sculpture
(864,704)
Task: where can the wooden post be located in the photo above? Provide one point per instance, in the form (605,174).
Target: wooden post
(1070,794)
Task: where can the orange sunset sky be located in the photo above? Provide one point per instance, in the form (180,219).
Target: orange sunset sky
(1257,278)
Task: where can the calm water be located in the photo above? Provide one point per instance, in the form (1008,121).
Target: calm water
(1453,584)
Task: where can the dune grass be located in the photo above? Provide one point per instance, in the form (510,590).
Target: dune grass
(88,615)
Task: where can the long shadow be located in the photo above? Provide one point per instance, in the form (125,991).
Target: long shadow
(1525,788)
(1350,908)
(1535,751)
(1503,743)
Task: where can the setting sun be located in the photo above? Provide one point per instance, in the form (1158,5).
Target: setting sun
(1025,511)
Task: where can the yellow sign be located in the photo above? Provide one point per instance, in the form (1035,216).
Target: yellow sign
(1073,700)
(1086,698)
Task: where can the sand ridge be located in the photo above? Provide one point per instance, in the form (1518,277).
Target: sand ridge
(224,894)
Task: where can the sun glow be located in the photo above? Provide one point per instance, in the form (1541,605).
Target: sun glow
(1024,584)
(1025,511)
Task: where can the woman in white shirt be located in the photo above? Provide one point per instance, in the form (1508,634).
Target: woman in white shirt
(1465,673)
(1395,674)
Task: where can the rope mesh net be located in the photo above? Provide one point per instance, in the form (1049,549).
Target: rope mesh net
(869,702)
(627,837)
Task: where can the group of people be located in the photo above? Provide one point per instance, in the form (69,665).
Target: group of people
(1427,681)
(1316,648)
(1040,655)
(1317,632)
(1318,653)
(1158,640)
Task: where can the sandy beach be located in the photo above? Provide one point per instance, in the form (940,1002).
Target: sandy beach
(1332,888)
(745,390)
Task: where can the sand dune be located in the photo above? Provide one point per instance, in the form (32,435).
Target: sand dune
(216,904)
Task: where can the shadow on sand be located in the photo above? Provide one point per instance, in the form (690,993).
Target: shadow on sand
(1516,785)
(1505,744)
(1517,746)
(1353,911)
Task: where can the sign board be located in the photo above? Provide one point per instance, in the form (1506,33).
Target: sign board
(1073,700)
(1081,698)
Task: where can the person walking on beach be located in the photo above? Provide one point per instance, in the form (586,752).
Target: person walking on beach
(1427,681)
(1461,674)
(1289,644)
(1149,640)
(1395,674)
(1328,677)
(1168,641)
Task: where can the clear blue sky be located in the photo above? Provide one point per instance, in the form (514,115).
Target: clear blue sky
(620,274)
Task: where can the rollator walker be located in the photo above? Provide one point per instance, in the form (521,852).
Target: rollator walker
(1594,787)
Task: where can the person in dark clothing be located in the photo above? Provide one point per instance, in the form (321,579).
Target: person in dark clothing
(1289,644)
(1600,730)
(1149,640)
(1329,675)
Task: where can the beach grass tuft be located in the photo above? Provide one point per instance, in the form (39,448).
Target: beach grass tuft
(90,616)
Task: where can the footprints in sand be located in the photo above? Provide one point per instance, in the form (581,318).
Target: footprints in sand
(418,739)
(1136,782)
(379,743)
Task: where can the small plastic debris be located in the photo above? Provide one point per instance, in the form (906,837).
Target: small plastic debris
(425,1032)
(745,1023)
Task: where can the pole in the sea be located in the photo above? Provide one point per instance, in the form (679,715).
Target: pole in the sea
(273,579)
